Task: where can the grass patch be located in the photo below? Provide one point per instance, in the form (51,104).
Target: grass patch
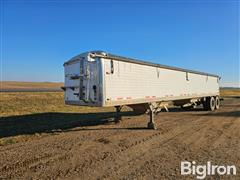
(7,141)
(23,86)
(31,115)
(22,103)
(229,92)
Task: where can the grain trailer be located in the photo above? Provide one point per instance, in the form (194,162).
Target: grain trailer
(97,78)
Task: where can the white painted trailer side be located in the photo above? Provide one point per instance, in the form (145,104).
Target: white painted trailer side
(101,79)
(131,83)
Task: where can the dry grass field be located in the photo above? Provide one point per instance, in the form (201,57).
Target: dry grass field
(224,92)
(42,138)
(34,113)
(8,86)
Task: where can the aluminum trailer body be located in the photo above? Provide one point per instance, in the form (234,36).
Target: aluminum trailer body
(97,78)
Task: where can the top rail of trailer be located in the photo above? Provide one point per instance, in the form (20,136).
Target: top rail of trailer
(105,55)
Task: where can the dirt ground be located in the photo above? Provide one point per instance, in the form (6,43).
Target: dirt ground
(93,147)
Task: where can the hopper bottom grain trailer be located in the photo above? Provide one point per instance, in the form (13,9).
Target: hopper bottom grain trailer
(101,79)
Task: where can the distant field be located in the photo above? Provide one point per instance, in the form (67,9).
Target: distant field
(14,86)
(228,92)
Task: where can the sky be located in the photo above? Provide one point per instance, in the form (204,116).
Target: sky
(37,37)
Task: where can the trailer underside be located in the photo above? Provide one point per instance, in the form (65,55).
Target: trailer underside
(209,103)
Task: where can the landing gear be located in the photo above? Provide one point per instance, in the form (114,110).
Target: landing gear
(118,116)
(152,110)
(151,123)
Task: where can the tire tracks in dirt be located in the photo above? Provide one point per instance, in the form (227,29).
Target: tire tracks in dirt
(153,160)
(168,139)
(51,158)
(142,141)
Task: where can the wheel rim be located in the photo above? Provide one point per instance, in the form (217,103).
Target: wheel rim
(212,103)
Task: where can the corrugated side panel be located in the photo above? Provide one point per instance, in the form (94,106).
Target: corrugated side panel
(130,82)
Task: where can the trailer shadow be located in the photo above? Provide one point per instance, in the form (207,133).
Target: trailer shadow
(178,109)
(207,113)
(222,114)
(108,128)
(53,121)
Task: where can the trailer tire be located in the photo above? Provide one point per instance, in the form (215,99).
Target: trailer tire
(217,102)
(209,104)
